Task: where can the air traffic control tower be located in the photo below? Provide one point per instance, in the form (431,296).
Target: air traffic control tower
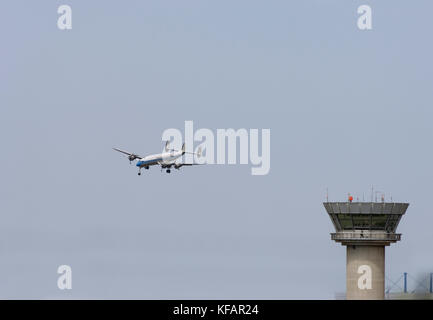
(365,228)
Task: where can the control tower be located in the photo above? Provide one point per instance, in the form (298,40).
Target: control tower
(365,228)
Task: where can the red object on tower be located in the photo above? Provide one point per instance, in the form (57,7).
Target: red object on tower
(350,198)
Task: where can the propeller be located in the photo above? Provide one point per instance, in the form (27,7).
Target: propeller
(132,157)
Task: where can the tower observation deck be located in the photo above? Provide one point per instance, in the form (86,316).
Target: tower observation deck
(365,228)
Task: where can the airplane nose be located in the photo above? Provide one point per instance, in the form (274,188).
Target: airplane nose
(138,163)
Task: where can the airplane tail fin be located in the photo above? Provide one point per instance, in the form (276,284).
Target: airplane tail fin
(198,153)
(167,143)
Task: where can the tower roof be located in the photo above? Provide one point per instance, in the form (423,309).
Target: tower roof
(381,216)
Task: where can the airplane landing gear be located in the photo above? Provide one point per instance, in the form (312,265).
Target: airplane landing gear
(139,173)
(168,171)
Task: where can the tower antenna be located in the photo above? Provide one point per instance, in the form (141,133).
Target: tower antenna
(375,195)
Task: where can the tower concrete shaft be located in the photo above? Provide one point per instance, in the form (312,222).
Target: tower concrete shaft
(368,256)
(365,228)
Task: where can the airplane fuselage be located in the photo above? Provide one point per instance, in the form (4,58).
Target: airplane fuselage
(164,159)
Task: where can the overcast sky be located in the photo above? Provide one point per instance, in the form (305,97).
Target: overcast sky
(347,109)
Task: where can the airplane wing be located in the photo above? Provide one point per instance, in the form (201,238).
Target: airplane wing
(178,165)
(131,156)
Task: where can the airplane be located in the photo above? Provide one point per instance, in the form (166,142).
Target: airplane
(166,159)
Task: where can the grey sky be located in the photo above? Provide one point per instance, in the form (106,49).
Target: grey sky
(346,109)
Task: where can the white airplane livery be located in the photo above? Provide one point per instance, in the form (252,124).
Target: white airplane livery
(166,159)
